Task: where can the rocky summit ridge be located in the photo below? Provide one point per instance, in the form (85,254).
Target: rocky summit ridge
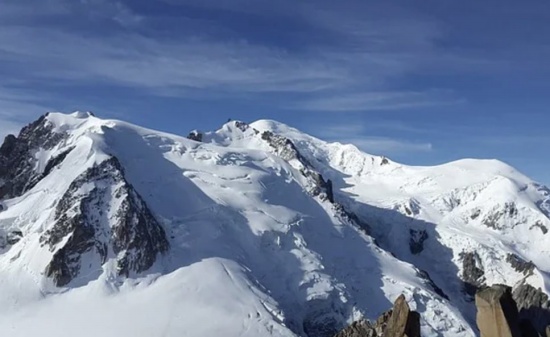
(259,227)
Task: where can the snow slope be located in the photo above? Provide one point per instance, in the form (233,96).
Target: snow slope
(480,207)
(256,247)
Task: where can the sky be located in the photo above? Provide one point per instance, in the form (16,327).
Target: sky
(422,82)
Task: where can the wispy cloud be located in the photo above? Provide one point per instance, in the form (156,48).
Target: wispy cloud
(358,135)
(141,62)
(387,146)
(359,54)
(369,101)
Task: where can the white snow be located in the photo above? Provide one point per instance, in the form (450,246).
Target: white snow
(252,253)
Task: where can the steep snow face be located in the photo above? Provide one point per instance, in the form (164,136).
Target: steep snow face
(162,235)
(467,223)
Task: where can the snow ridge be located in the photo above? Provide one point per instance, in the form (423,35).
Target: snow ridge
(258,227)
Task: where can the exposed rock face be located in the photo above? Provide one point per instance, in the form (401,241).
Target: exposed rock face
(286,149)
(241,125)
(533,305)
(520,265)
(17,157)
(195,135)
(361,328)
(416,242)
(473,274)
(283,146)
(424,275)
(398,322)
(539,225)
(508,213)
(497,313)
(99,215)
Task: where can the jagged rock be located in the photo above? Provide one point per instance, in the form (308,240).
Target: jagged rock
(493,220)
(195,135)
(416,241)
(361,328)
(8,146)
(475,214)
(111,216)
(473,274)
(241,126)
(382,322)
(18,171)
(424,275)
(533,305)
(286,149)
(403,321)
(497,313)
(398,322)
(14,237)
(520,265)
(539,225)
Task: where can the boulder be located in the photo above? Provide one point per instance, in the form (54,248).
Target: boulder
(497,313)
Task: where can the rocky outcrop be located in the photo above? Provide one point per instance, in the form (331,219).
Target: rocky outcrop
(520,265)
(243,126)
(540,226)
(18,169)
(101,215)
(398,322)
(10,239)
(426,277)
(195,135)
(285,148)
(497,313)
(361,328)
(473,274)
(403,321)
(523,312)
(533,305)
(416,241)
(508,213)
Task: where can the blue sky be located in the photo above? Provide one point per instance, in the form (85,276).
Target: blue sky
(422,82)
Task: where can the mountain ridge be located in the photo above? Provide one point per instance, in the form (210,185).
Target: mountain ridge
(314,230)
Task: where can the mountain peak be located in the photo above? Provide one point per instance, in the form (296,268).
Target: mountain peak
(260,227)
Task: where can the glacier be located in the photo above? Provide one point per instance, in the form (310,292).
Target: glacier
(256,229)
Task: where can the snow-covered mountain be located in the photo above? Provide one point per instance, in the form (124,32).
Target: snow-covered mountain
(110,229)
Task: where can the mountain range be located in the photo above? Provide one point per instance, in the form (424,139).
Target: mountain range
(256,229)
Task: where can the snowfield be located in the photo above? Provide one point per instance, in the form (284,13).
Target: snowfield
(252,251)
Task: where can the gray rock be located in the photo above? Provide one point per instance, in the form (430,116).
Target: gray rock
(92,226)
(533,305)
(241,125)
(416,241)
(17,157)
(14,237)
(195,135)
(361,328)
(398,322)
(493,220)
(520,265)
(473,274)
